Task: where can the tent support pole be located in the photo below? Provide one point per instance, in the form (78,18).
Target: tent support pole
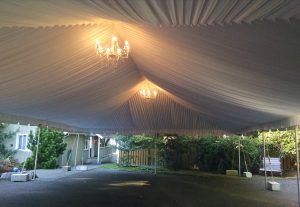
(263,134)
(239,156)
(36,153)
(62,156)
(155,152)
(297,160)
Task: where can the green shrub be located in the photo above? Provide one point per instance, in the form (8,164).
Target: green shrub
(214,154)
(51,146)
(219,154)
(173,149)
(280,144)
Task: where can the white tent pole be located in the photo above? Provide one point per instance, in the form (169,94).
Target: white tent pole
(239,156)
(155,154)
(36,153)
(297,159)
(75,162)
(263,134)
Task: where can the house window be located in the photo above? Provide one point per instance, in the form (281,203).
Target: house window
(86,144)
(22,141)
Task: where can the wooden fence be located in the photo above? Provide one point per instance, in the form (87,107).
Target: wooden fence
(146,157)
(143,157)
(186,160)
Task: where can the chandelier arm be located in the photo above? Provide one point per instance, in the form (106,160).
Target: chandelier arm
(111,56)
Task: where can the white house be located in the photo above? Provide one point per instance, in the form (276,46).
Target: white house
(81,148)
(19,140)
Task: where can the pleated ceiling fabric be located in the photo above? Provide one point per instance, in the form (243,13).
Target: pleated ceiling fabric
(55,74)
(220,65)
(32,13)
(247,73)
(163,115)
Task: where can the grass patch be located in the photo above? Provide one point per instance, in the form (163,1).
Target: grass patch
(149,169)
(114,166)
(163,171)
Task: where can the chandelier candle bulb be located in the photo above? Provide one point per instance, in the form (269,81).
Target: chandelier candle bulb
(110,56)
(148,93)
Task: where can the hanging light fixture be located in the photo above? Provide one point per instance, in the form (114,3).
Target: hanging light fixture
(111,56)
(148,92)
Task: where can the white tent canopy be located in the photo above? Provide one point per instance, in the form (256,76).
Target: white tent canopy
(220,66)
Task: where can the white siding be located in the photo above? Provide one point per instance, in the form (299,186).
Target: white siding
(13,144)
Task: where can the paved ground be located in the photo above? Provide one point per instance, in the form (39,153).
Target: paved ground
(101,187)
(55,174)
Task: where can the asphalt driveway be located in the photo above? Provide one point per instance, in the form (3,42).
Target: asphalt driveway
(101,187)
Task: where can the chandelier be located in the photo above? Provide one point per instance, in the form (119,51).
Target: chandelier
(148,93)
(111,56)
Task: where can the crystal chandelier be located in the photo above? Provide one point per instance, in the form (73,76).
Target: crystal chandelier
(148,93)
(111,56)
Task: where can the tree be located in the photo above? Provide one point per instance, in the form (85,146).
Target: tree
(279,143)
(218,154)
(174,148)
(50,147)
(5,153)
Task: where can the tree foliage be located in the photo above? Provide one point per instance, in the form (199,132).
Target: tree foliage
(5,153)
(50,147)
(134,142)
(279,143)
(219,154)
(174,148)
(214,154)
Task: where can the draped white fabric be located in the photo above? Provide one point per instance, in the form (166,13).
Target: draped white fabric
(54,74)
(223,74)
(213,79)
(151,12)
